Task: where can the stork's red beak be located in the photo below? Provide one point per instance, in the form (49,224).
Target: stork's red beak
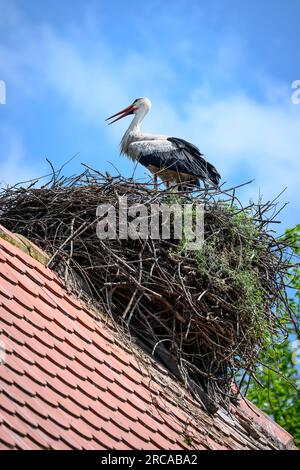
(129,110)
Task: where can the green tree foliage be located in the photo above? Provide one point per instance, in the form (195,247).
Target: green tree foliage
(294,239)
(275,386)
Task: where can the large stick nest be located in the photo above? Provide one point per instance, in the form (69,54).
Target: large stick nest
(205,314)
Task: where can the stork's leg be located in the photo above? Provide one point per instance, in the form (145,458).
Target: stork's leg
(206,188)
(155,182)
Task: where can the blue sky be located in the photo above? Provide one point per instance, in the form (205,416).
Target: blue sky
(219,74)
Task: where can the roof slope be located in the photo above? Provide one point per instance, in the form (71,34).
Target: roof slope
(68,380)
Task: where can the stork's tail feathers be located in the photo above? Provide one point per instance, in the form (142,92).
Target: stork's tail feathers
(213,176)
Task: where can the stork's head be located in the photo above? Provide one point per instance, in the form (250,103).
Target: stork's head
(140,106)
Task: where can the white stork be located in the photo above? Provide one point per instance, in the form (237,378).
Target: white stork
(172,159)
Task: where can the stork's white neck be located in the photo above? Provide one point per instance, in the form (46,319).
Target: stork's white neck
(136,121)
(134,127)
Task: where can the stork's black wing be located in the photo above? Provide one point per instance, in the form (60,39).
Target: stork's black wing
(183,157)
(194,156)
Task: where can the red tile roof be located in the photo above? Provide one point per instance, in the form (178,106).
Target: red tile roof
(70,380)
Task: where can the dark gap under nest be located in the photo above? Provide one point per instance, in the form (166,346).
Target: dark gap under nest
(204,314)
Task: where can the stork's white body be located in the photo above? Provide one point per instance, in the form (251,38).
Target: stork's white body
(135,142)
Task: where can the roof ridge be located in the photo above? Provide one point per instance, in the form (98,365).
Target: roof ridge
(25,245)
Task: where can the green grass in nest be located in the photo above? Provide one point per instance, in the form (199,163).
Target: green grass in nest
(228,263)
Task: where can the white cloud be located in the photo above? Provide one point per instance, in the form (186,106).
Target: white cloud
(15,166)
